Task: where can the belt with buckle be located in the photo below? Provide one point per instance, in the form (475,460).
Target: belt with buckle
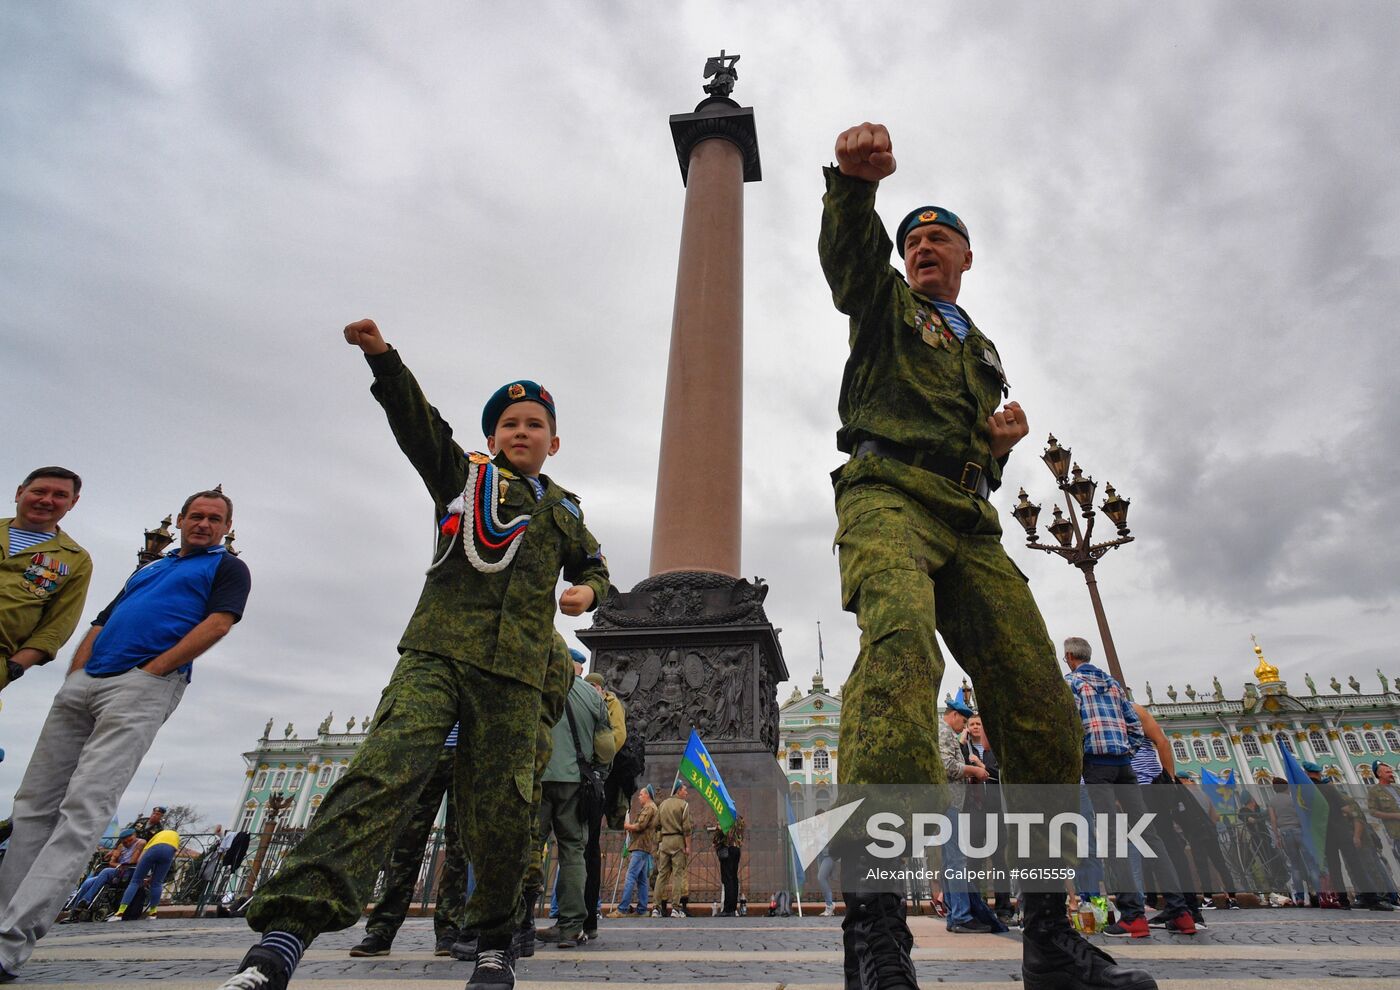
(967,475)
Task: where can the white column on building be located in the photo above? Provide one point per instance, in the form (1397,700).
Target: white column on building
(243,794)
(308,780)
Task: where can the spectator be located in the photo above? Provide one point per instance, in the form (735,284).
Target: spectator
(1199,824)
(728,846)
(124,853)
(127,677)
(1112,733)
(1349,839)
(826,868)
(1383,801)
(1155,767)
(154,863)
(1287,827)
(44,574)
(673,853)
(592,849)
(149,826)
(984,799)
(584,736)
(642,835)
(962,908)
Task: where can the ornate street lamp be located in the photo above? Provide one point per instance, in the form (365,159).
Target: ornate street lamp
(156,542)
(1073,545)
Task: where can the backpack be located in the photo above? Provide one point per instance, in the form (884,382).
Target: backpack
(625,777)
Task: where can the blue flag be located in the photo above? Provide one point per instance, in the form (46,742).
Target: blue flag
(1222,792)
(699,771)
(1312,806)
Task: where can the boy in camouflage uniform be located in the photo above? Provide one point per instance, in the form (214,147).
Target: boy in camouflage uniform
(476,651)
(920,551)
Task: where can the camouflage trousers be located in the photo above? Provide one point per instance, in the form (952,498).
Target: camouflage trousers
(405,862)
(534,873)
(672,876)
(325,881)
(921,556)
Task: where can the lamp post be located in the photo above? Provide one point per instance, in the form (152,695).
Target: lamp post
(1073,544)
(156,542)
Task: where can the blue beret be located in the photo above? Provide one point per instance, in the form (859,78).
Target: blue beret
(651,791)
(957,706)
(1310,767)
(521,391)
(924,215)
(126,833)
(577,655)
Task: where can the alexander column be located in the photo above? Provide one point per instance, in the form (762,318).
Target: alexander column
(691,646)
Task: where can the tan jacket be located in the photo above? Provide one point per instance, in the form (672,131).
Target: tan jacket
(42,592)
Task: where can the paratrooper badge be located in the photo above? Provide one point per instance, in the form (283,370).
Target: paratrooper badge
(516,391)
(932,328)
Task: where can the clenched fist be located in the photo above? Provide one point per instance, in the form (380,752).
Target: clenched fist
(365,335)
(864,152)
(1007,428)
(576,599)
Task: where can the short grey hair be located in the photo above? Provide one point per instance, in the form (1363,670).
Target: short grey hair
(1078,648)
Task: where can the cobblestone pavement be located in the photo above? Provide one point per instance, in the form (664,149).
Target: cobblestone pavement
(1295,948)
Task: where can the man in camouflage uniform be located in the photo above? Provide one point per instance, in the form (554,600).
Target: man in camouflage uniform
(673,853)
(476,651)
(406,861)
(920,550)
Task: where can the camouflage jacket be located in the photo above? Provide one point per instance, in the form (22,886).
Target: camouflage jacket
(1383,799)
(501,622)
(644,839)
(908,379)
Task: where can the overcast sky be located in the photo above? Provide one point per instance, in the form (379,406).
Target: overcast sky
(1185,222)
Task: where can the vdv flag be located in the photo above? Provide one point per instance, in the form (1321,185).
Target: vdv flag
(1312,806)
(1221,791)
(699,771)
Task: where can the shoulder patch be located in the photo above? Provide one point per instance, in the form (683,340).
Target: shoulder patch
(477,457)
(566,503)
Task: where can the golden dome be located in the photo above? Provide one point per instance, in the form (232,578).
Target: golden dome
(1265,673)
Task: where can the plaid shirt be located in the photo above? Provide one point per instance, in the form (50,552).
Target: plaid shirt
(1111,726)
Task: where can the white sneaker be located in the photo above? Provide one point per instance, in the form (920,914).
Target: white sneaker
(677,913)
(114,917)
(829,911)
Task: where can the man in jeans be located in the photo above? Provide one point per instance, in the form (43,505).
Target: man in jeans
(1112,733)
(641,840)
(563,801)
(126,679)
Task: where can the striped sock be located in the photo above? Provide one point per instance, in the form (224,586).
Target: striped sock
(286,945)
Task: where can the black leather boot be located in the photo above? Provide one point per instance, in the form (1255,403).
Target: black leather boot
(1056,957)
(877,942)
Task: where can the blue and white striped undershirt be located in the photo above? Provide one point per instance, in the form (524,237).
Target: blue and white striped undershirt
(22,539)
(954,317)
(1146,764)
(452,737)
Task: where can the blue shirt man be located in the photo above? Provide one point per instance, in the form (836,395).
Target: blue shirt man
(127,677)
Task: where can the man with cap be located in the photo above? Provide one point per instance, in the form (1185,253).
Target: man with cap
(582,739)
(673,852)
(962,919)
(124,853)
(1383,801)
(1349,840)
(641,843)
(920,553)
(476,651)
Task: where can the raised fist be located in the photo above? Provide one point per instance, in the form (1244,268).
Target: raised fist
(365,335)
(864,152)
